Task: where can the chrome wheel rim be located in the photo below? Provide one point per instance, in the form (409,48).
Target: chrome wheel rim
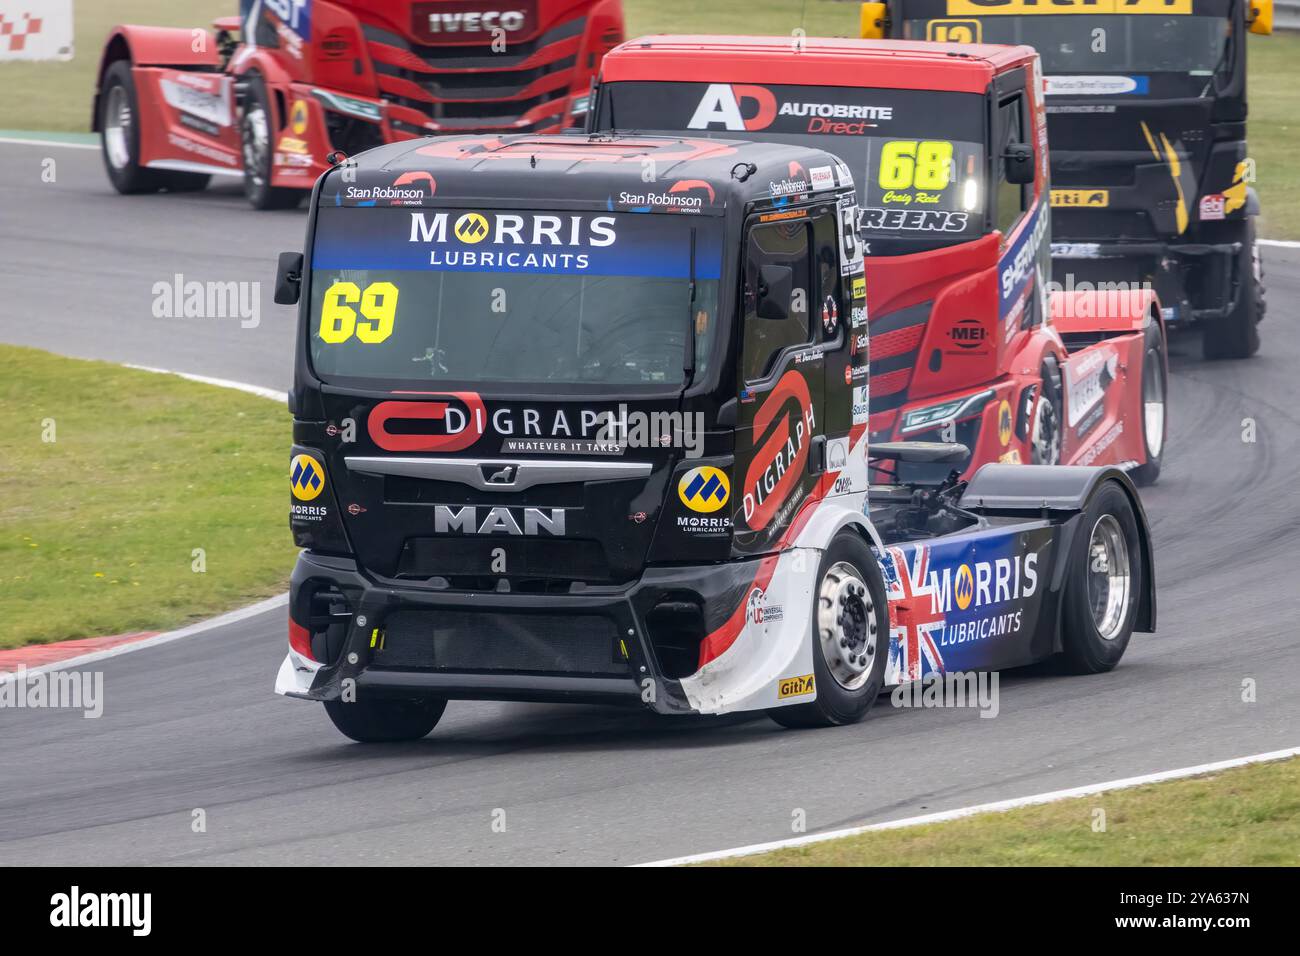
(1153,404)
(117,127)
(257,138)
(847,625)
(1109,580)
(1047,436)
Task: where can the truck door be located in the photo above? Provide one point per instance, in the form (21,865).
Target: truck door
(780,438)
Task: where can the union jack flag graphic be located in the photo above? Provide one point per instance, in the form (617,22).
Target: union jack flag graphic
(913,650)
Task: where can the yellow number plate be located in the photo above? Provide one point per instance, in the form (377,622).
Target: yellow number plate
(1092,198)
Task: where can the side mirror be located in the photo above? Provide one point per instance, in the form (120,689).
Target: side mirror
(1259,14)
(1019,162)
(775,285)
(871,21)
(288,278)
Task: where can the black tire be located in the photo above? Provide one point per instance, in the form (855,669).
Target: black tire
(119,144)
(1236,336)
(1046,429)
(385,721)
(1087,649)
(837,704)
(1155,388)
(257,133)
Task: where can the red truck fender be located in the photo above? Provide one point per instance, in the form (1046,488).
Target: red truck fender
(154,46)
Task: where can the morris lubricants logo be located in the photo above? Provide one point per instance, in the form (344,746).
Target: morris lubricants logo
(471,228)
(964,589)
(704,489)
(306,477)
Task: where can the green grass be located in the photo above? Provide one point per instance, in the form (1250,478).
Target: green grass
(98,527)
(1248,816)
(1274,130)
(57,95)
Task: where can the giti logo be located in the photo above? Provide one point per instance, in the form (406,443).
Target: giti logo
(1004,422)
(964,588)
(704,489)
(471,228)
(306,477)
(794,686)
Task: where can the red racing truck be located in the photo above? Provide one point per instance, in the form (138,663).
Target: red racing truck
(270,93)
(969,342)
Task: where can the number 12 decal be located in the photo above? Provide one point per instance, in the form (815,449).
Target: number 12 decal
(378,306)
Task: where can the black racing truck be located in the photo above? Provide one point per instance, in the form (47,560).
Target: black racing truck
(584,418)
(1147,121)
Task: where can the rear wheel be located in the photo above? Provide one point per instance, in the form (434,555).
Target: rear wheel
(385,721)
(120,140)
(850,635)
(120,133)
(1045,445)
(1236,335)
(1154,424)
(257,132)
(1104,583)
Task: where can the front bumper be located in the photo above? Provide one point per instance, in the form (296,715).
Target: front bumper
(627,644)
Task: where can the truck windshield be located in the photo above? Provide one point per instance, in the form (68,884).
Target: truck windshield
(917,156)
(528,298)
(1103,43)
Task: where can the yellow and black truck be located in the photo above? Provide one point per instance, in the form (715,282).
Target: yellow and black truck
(1147,115)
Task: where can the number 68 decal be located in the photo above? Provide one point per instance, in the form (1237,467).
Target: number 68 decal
(378,307)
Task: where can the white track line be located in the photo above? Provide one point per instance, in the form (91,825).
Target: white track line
(19,141)
(998,807)
(260,390)
(233,617)
(1280,243)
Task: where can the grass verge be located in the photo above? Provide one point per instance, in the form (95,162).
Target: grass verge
(1247,816)
(98,527)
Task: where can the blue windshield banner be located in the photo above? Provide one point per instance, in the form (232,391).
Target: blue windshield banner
(460,240)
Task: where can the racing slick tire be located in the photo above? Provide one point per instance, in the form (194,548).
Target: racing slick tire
(1155,384)
(850,614)
(1236,335)
(385,720)
(1103,584)
(119,114)
(255,135)
(1045,434)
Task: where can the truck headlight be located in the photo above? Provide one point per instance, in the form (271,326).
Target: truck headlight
(930,415)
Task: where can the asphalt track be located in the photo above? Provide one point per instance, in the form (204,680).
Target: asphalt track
(193,724)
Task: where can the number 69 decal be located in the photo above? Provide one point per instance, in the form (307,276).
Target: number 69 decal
(378,307)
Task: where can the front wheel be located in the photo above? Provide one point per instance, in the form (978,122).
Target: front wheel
(850,636)
(385,721)
(1104,583)
(1236,335)
(1154,423)
(256,131)
(1045,443)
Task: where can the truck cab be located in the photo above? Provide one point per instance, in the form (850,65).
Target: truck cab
(1146,109)
(948,145)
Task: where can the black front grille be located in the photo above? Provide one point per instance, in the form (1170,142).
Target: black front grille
(476,86)
(520,642)
(568,559)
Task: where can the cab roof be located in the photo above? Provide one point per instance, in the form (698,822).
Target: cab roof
(818,61)
(599,170)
